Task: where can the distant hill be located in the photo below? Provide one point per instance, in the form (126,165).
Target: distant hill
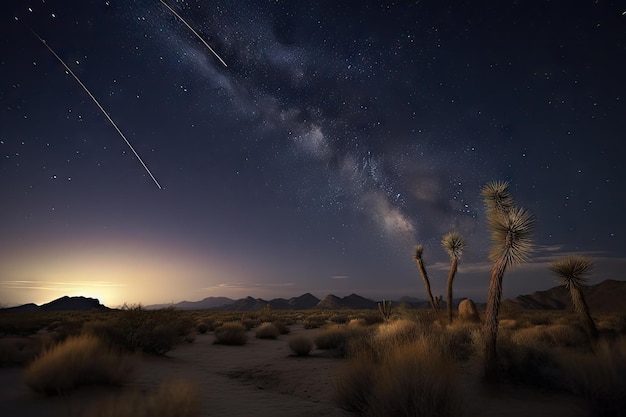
(609,295)
(63,304)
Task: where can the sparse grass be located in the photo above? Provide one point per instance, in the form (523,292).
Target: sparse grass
(80,360)
(177,398)
(282,327)
(315,321)
(599,377)
(412,378)
(300,345)
(267,331)
(231,333)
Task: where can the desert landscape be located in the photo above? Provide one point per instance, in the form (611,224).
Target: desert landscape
(399,361)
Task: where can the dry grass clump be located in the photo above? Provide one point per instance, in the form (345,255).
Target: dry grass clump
(81,360)
(17,351)
(551,335)
(282,327)
(599,377)
(136,329)
(315,321)
(267,331)
(231,333)
(178,398)
(340,337)
(300,345)
(408,379)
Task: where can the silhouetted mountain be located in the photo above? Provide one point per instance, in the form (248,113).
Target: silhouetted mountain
(25,307)
(73,303)
(205,304)
(245,304)
(352,302)
(304,302)
(609,295)
(62,304)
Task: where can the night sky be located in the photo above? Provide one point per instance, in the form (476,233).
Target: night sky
(338,135)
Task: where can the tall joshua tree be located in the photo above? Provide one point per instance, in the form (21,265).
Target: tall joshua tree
(573,271)
(510,229)
(419,251)
(454,244)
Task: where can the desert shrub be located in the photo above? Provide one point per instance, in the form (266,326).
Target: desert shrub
(137,329)
(267,331)
(203,327)
(371,318)
(527,361)
(80,360)
(17,351)
(410,379)
(315,321)
(281,326)
(338,319)
(599,377)
(177,398)
(250,323)
(231,333)
(551,335)
(300,345)
(398,332)
(358,322)
(340,338)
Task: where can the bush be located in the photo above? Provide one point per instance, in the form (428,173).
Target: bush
(340,338)
(81,360)
(177,398)
(315,321)
(150,331)
(231,333)
(598,377)
(301,345)
(203,327)
(267,331)
(410,379)
(282,327)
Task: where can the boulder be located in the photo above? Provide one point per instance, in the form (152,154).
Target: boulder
(468,311)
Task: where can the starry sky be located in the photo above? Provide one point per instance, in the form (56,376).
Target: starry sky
(334,138)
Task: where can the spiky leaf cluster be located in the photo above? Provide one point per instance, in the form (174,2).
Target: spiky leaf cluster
(419,251)
(511,234)
(454,244)
(497,196)
(573,270)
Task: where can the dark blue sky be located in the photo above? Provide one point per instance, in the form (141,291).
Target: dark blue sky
(338,136)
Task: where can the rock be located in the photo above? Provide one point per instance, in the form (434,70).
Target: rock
(468,312)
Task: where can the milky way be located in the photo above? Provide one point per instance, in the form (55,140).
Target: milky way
(339,135)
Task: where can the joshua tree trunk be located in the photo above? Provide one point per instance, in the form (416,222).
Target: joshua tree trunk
(419,251)
(494,297)
(422,269)
(453,268)
(580,305)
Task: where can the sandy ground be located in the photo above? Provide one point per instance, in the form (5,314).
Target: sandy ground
(261,379)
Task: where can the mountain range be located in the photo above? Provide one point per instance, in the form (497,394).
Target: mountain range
(609,295)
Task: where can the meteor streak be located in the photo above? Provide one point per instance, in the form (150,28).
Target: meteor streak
(97,104)
(194,32)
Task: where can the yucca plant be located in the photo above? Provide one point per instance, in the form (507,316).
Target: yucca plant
(511,229)
(454,244)
(419,251)
(573,271)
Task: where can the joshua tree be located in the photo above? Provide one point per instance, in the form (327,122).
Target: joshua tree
(573,271)
(511,229)
(454,244)
(419,250)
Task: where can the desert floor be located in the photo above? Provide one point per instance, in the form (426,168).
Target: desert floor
(261,379)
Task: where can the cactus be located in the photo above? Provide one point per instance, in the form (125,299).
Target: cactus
(384,308)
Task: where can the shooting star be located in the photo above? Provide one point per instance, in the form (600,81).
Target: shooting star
(194,32)
(97,104)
